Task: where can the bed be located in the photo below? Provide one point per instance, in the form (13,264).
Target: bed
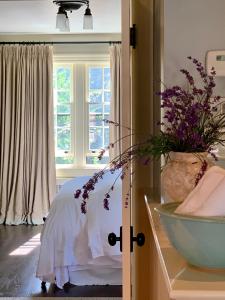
(74,246)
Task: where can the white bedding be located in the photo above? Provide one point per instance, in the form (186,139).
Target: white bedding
(73,241)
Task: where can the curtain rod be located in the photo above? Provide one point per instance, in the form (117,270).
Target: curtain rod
(61,43)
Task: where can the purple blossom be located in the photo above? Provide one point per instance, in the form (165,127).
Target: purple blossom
(106,203)
(201,172)
(83,207)
(77,193)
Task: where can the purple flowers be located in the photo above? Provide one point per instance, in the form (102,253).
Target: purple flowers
(192,123)
(189,120)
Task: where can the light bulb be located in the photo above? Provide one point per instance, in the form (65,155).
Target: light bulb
(88,19)
(62,21)
(67,25)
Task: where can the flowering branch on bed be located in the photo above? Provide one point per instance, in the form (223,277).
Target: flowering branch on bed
(191,123)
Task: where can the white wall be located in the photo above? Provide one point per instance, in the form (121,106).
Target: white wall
(71,49)
(192,27)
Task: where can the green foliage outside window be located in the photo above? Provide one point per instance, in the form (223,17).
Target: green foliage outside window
(62,86)
(63,78)
(93,160)
(99,108)
(64,160)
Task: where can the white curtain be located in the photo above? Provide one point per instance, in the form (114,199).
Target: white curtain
(115,111)
(27,167)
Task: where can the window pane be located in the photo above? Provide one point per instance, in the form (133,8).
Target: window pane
(95,78)
(93,160)
(99,108)
(63,77)
(107,96)
(106,137)
(95,138)
(107,108)
(106,117)
(106,78)
(95,120)
(63,97)
(95,108)
(64,160)
(63,121)
(95,96)
(64,108)
(54,80)
(63,139)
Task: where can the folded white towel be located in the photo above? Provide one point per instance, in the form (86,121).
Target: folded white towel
(208,197)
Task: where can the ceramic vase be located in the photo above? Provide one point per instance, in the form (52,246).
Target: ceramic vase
(178,177)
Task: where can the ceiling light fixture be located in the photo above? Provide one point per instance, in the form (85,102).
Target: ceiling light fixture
(62,20)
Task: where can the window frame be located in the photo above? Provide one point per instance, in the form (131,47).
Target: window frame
(79,62)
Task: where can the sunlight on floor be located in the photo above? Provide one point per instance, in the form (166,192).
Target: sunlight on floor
(28,246)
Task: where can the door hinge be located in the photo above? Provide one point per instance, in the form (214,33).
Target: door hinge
(133,36)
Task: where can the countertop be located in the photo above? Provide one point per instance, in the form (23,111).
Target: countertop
(183,281)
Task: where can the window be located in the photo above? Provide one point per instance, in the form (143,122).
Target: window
(99,108)
(81,102)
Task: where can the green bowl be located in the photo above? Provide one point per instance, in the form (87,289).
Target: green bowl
(200,240)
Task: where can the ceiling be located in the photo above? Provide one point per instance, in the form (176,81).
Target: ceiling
(39,17)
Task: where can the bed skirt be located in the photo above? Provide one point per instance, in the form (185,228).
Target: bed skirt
(93,276)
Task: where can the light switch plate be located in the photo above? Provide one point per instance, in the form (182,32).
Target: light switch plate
(216,59)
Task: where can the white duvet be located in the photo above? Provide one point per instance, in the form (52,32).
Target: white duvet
(72,240)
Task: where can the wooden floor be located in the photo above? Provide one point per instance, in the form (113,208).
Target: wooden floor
(18,261)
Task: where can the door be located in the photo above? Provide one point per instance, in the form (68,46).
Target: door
(126,121)
(141,74)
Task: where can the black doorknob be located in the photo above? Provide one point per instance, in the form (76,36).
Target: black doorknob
(139,239)
(112,239)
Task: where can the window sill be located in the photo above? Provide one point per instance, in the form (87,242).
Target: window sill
(74,172)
